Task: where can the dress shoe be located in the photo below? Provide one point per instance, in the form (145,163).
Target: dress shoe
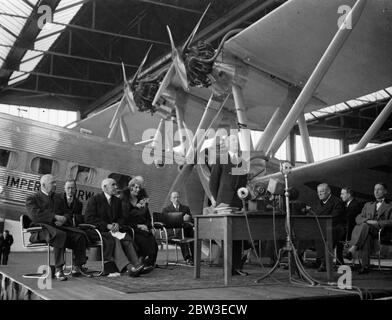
(78,271)
(134,271)
(59,275)
(146,269)
(238,272)
(348,255)
(363,270)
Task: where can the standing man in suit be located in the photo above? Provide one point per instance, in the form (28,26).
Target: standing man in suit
(104,211)
(6,241)
(330,205)
(352,208)
(374,216)
(44,209)
(175,206)
(226,178)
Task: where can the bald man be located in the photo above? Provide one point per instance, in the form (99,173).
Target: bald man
(104,211)
(330,205)
(45,208)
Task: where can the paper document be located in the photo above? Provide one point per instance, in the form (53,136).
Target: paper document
(118,235)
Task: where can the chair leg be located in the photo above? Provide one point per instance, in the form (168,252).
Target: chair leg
(210,252)
(67,273)
(379,250)
(379,259)
(100,272)
(44,274)
(167,252)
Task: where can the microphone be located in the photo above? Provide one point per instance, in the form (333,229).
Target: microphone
(243,193)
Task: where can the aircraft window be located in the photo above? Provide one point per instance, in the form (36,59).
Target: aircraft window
(83,174)
(121,179)
(44,166)
(8,159)
(4,156)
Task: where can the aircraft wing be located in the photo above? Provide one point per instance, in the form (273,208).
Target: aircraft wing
(360,169)
(283,48)
(288,43)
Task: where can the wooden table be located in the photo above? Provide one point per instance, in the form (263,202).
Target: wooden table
(229,227)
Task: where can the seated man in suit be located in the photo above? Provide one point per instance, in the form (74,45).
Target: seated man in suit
(104,211)
(374,216)
(72,203)
(45,209)
(187,249)
(330,205)
(352,209)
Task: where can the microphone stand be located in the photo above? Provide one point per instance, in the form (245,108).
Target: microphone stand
(289,248)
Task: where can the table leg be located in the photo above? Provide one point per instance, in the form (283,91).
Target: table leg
(227,249)
(328,259)
(197,251)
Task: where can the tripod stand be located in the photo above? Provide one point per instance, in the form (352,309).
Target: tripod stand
(293,258)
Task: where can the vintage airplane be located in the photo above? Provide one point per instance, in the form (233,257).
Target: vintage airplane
(301,57)
(29,149)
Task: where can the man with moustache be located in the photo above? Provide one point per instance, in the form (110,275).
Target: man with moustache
(104,211)
(374,215)
(44,209)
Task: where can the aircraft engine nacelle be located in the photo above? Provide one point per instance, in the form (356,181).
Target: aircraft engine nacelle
(144,93)
(198,63)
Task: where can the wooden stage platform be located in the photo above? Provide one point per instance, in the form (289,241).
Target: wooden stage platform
(178,283)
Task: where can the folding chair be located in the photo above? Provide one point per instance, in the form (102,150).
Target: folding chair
(169,228)
(25,222)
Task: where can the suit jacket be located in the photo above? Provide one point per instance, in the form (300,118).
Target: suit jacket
(74,211)
(333,207)
(100,214)
(224,185)
(6,243)
(351,212)
(41,209)
(383,215)
(182,208)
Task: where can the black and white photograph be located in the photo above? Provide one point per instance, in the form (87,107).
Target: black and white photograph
(195,157)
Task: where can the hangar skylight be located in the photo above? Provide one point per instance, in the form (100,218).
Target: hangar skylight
(10,26)
(350,104)
(14,15)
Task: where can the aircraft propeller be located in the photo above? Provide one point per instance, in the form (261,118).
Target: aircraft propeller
(127,102)
(178,65)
